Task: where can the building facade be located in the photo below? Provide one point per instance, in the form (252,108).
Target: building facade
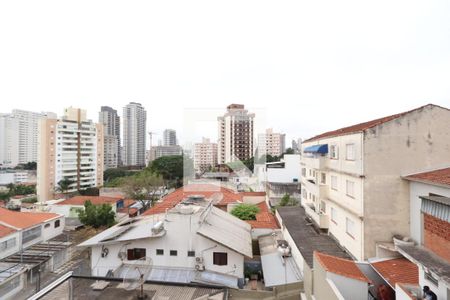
(351,177)
(9,141)
(236,134)
(271,143)
(160,151)
(69,148)
(169,137)
(205,155)
(109,118)
(134,136)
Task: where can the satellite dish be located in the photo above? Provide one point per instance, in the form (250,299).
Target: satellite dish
(136,275)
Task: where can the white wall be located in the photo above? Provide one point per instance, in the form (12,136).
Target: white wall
(290,171)
(11,250)
(421,189)
(348,287)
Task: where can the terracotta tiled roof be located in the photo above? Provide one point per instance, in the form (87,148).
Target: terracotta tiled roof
(253,193)
(5,230)
(398,270)
(341,266)
(24,219)
(207,190)
(264,218)
(362,126)
(441,176)
(96,200)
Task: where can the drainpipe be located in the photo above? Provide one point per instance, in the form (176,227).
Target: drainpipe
(362,192)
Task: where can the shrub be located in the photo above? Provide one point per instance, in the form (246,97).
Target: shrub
(245,211)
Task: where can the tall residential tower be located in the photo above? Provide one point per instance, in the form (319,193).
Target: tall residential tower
(134,125)
(109,118)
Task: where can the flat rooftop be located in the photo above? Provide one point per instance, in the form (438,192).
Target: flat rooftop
(82,289)
(305,236)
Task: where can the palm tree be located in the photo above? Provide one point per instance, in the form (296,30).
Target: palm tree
(64,185)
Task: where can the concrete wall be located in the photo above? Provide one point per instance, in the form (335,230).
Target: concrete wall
(12,250)
(321,288)
(349,288)
(412,143)
(417,189)
(290,171)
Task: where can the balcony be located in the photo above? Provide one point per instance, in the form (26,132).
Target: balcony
(317,189)
(314,162)
(319,218)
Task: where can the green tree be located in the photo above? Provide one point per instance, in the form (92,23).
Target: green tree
(113,173)
(143,187)
(96,215)
(64,185)
(286,200)
(245,211)
(172,168)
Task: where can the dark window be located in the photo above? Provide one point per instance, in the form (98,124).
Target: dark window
(47,225)
(173,253)
(159,252)
(57,223)
(191,253)
(136,253)
(220,258)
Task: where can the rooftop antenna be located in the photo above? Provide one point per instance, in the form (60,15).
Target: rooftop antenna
(136,275)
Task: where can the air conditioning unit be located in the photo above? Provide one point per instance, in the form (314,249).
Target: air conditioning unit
(122,255)
(200,267)
(199,260)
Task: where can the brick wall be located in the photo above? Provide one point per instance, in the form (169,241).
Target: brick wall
(437,236)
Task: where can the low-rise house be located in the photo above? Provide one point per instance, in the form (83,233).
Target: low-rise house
(19,230)
(190,242)
(12,279)
(69,208)
(351,177)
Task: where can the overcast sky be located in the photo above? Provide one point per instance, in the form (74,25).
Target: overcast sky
(311,65)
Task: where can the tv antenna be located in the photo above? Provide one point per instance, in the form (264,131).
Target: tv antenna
(136,275)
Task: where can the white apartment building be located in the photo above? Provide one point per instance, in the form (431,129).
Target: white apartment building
(69,148)
(205,155)
(351,177)
(169,137)
(236,134)
(109,118)
(271,143)
(9,140)
(191,242)
(134,126)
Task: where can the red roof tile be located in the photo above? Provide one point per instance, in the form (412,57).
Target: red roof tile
(441,176)
(24,219)
(264,218)
(362,126)
(399,270)
(206,190)
(96,200)
(5,230)
(341,266)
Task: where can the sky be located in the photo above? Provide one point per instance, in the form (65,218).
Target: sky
(311,66)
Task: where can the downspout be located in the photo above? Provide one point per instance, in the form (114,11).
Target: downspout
(363,177)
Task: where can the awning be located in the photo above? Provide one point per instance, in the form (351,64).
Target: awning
(322,149)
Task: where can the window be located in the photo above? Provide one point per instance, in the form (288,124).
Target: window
(159,251)
(323,206)
(334,183)
(323,178)
(350,188)
(136,253)
(173,252)
(31,234)
(333,215)
(57,223)
(350,152)
(7,244)
(47,225)
(334,152)
(220,258)
(303,172)
(191,253)
(350,227)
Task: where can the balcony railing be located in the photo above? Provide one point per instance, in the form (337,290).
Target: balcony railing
(315,162)
(319,218)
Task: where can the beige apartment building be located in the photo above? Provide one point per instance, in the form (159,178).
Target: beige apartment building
(352,183)
(205,155)
(235,134)
(271,143)
(69,148)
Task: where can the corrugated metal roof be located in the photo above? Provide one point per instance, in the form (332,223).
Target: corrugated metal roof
(228,231)
(438,207)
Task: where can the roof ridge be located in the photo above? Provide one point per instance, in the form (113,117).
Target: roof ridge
(369,124)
